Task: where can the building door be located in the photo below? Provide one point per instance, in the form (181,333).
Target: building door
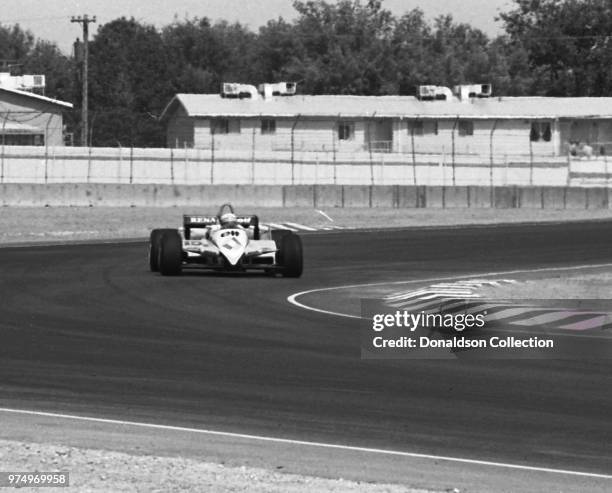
(379,134)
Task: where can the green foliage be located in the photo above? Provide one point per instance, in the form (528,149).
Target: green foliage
(22,53)
(567,42)
(130,83)
(15,43)
(203,55)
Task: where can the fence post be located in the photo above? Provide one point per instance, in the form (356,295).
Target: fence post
(172,166)
(443,166)
(506,181)
(3,142)
(120,167)
(47,148)
(293,148)
(186,172)
(212,153)
(531,162)
(453,147)
(253,157)
(131,163)
(414,166)
(371,163)
(492,163)
(88,164)
(334,143)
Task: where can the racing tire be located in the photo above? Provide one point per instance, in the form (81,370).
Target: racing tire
(278,234)
(290,256)
(170,253)
(154,240)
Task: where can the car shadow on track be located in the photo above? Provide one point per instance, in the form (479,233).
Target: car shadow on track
(216,274)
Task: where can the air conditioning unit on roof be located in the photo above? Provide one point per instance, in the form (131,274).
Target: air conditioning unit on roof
(277,89)
(33,81)
(468,91)
(236,90)
(433,93)
(22,82)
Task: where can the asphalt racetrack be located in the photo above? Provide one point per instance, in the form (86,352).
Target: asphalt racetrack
(88,330)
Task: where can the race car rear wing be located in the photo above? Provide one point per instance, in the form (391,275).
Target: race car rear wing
(191,221)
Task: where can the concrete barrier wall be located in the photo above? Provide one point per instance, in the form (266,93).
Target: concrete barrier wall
(307,196)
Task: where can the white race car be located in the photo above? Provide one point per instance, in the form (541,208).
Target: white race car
(225,242)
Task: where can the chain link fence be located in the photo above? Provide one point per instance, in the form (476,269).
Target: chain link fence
(302,154)
(34,164)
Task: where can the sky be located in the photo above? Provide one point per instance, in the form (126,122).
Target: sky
(50,19)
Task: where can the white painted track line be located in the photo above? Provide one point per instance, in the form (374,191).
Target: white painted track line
(301,226)
(280,226)
(368,450)
(552,316)
(293,298)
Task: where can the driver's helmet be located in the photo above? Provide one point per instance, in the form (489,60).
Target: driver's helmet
(228,220)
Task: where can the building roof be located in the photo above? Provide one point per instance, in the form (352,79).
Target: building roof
(38,97)
(213,105)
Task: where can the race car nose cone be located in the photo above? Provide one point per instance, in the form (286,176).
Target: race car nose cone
(232,244)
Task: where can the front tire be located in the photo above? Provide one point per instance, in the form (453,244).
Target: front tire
(290,256)
(154,240)
(170,253)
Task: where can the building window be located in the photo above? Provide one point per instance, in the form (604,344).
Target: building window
(540,131)
(268,126)
(466,127)
(415,127)
(22,139)
(225,126)
(421,127)
(346,131)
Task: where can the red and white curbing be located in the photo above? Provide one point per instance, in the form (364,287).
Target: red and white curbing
(518,314)
(295,227)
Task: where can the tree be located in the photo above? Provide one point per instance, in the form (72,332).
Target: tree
(567,43)
(344,48)
(46,58)
(130,84)
(277,53)
(412,52)
(203,54)
(15,43)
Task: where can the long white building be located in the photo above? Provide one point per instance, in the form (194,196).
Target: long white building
(541,126)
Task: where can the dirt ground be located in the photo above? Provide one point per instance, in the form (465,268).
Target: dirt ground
(103,471)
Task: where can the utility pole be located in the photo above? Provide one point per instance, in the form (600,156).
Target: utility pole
(85,20)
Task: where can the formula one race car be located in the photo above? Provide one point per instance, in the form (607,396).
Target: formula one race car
(225,242)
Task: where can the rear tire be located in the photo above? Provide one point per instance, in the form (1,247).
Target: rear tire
(278,234)
(154,240)
(290,256)
(170,253)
